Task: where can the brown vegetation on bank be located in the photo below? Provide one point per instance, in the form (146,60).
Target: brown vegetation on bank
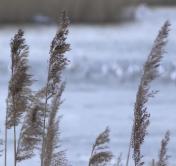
(84,11)
(161,2)
(92,11)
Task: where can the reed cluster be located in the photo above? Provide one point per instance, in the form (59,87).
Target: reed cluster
(37,112)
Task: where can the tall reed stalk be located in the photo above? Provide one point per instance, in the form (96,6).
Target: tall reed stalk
(19,88)
(141,116)
(5,141)
(57,63)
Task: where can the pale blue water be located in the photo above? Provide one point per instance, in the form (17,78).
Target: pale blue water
(102,81)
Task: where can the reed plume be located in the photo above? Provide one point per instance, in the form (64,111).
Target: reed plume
(101,155)
(31,130)
(52,153)
(57,61)
(20,82)
(163,157)
(19,86)
(141,115)
(57,64)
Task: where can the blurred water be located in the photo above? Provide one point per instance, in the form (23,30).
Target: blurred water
(102,81)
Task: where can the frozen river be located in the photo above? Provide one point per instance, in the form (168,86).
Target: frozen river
(102,81)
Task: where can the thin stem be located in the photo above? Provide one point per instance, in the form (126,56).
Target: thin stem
(44,118)
(5,143)
(44,128)
(93,148)
(14,111)
(129,147)
(14,129)
(129,151)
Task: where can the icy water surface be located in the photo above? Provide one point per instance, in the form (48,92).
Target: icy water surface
(102,81)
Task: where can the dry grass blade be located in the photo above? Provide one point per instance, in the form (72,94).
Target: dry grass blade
(150,72)
(31,131)
(163,157)
(101,155)
(52,154)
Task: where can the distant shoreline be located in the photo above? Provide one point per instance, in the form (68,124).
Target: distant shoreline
(79,11)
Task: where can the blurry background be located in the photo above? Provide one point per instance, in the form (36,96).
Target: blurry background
(110,40)
(91,11)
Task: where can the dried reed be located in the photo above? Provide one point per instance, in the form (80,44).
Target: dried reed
(31,130)
(100,151)
(19,87)
(150,72)
(52,154)
(163,157)
(57,64)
